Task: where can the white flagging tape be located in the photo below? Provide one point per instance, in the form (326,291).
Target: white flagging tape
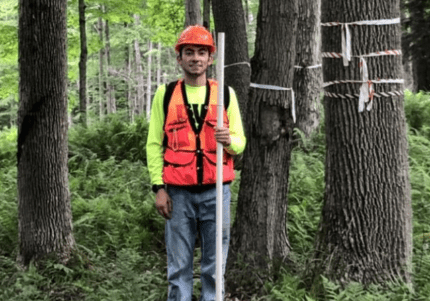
(308,67)
(346,35)
(241,63)
(270,87)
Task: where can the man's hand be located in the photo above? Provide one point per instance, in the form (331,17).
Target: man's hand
(222,135)
(163,203)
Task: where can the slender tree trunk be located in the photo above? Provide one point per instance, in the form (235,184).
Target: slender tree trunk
(365,231)
(44,212)
(111,102)
(229,18)
(139,73)
(259,233)
(420,21)
(207,14)
(127,81)
(101,70)
(159,65)
(308,77)
(193,14)
(149,82)
(83,64)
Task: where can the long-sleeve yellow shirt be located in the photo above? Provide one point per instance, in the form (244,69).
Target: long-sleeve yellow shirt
(196,98)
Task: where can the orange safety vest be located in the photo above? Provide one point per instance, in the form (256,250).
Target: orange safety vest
(190,151)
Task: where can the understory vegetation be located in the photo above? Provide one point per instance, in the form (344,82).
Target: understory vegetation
(120,251)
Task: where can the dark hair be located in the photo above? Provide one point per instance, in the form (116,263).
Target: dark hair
(183,46)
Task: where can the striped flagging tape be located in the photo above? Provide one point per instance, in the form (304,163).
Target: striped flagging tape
(367,93)
(379,94)
(346,35)
(337,55)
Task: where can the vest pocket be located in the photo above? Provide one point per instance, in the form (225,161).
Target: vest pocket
(179,168)
(177,134)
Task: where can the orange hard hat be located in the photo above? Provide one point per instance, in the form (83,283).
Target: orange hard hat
(196,35)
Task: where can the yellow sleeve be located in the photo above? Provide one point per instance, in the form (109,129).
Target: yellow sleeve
(238,139)
(154,144)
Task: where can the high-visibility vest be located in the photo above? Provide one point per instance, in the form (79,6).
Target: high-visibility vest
(190,149)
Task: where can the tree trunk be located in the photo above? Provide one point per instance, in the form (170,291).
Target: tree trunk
(259,233)
(193,14)
(420,21)
(229,18)
(111,102)
(44,212)
(159,65)
(307,76)
(83,64)
(149,83)
(139,74)
(127,80)
(101,70)
(207,14)
(365,231)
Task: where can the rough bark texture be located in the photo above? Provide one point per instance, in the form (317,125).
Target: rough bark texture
(193,14)
(365,231)
(207,14)
(420,21)
(229,18)
(260,227)
(307,81)
(83,64)
(44,213)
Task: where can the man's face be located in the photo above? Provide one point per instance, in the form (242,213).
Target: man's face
(195,60)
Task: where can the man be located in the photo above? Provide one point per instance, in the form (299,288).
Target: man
(181,155)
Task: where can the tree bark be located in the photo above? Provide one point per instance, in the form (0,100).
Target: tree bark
(102,83)
(420,21)
(193,13)
(111,102)
(83,64)
(365,231)
(149,82)
(307,81)
(44,212)
(139,74)
(207,14)
(159,65)
(229,18)
(259,233)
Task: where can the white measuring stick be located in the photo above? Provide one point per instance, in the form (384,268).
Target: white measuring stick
(219,166)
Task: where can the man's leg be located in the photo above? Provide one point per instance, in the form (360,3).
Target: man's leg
(180,239)
(207,213)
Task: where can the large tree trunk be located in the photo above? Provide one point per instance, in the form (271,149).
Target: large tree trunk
(365,231)
(420,21)
(259,233)
(308,74)
(229,18)
(83,64)
(45,219)
(193,13)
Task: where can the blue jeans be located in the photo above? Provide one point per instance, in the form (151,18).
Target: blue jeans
(190,208)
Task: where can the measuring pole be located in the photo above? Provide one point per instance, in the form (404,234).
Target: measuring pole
(219,164)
